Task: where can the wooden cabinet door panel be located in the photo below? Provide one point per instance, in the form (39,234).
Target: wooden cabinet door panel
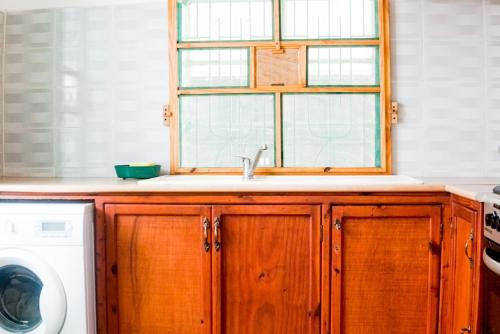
(267,271)
(385,276)
(159,270)
(463,258)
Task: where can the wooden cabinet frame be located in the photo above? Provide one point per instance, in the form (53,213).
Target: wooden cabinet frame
(327,201)
(472,212)
(383,42)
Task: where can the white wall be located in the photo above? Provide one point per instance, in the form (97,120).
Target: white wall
(16,5)
(446,75)
(84,89)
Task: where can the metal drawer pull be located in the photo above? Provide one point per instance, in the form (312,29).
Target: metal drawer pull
(206,227)
(217,234)
(471,238)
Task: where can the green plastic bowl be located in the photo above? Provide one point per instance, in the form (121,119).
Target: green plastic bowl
(137,172)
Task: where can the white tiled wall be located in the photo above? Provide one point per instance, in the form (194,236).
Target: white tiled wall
(446,76)
(2,27)
(84,88)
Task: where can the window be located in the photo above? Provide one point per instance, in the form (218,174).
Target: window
(309,78)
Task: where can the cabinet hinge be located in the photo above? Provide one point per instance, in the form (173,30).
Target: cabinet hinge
(321,233)
(441,231)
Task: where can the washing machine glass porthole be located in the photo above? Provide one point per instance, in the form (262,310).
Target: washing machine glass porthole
(20,292)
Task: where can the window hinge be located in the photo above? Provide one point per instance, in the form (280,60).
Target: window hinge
(394,113)
(167,115)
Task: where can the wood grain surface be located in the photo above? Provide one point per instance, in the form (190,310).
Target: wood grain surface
(162,272)
(268,270)
(385,269)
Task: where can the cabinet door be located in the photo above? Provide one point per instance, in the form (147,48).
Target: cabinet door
(385,276)
(267,269)
(463,256)
(158,269)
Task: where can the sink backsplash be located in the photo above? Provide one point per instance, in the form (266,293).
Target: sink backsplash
(84,88)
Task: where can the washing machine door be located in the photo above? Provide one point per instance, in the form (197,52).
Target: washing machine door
(32,297)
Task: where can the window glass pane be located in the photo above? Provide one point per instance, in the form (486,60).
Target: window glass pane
(349,66)
(331,130)
(225,20)
(329,19)
(213,67)
(215,129)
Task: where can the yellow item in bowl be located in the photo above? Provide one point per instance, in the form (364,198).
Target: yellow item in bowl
(142,164)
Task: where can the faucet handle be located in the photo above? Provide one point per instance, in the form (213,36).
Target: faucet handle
(243,158)
(246,161)
(264,147)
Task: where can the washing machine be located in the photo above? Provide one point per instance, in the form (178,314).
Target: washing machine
(47,268)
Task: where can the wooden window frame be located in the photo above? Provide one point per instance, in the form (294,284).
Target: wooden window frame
(383,42)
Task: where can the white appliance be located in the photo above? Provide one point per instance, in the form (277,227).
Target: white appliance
(47,268)
(491,259)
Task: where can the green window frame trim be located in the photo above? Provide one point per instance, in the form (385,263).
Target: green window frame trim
(377,127)
(376,61)
(180,31)
(374,38)
(274,143)
(180,66)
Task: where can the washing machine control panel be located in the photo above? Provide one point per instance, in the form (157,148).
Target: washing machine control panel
(41,229)
(54,229)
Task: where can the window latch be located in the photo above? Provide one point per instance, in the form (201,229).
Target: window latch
(167,115)
(394,112)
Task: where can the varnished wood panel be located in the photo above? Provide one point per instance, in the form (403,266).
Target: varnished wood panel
(446,275)
(463,273)
(268,270)
(385,269)
(106,281)
(161,270)
(464,283)
(277,69)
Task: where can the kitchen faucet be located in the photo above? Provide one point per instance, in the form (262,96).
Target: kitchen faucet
(249,165)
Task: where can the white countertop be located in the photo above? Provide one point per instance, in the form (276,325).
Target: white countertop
(472,188)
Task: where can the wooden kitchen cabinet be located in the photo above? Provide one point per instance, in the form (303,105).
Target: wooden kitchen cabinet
(465,263)
(158,269)
(213,269)
(267,269)
(385,269)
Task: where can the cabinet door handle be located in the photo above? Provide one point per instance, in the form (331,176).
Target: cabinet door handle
(470,239)
(466,330)
(217,234)
(206,227)
(338,224)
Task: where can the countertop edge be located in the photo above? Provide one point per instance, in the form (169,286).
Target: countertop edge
(109,186)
